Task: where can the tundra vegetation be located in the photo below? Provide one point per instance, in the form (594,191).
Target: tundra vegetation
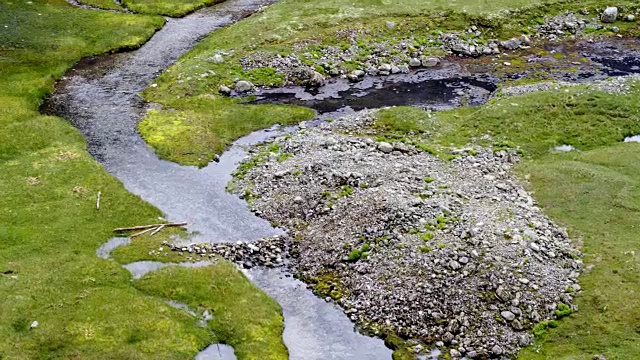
(87,307)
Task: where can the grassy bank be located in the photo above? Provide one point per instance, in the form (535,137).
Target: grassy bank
(85,307)
(594,192)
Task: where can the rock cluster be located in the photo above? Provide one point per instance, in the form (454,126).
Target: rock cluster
(268,252)
(448,252)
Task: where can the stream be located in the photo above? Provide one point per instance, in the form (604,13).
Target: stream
(99,97)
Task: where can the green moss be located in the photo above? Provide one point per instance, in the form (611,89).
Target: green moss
(174,8)
(197,130)
(563,310)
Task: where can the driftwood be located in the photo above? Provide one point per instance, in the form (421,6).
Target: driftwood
(141,232)
(156,230)
(144,227)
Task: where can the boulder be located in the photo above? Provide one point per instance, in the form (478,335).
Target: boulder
(224,90)
(609,14)
(243,86)
(429,61)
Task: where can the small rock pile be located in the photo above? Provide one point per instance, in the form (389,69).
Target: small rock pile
(448,252)
(268,252)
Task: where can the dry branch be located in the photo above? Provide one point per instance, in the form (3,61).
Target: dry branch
(157,230)
(152,226)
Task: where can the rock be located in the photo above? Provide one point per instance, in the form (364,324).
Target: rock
(395,69)
(523,340)
(224,90)
(298,200)
(508,315)
(414,62)
(511,44)
(630,17)
(496,350)
(34,325)
(535,247)
(404,69)
(384,67)
(385,147)
(454,265)
(352,77)
(609,15)
(217,59)
(615,29)
(447,337)
(243,86)
(599,357)
(316,80)
(454,353)
(430,61)
(391,24)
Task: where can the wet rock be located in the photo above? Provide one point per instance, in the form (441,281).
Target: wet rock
(609,15)
(415,62)
(384,68)
(430,61)
(243,86)
(224,90)
(316,80)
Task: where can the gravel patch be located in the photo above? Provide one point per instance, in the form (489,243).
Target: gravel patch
(454,253)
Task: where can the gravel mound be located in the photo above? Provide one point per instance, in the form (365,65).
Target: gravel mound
(448,252)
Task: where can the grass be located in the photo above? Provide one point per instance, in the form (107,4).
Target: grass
(243,317)
(175,8)
(594,192)
(86,307)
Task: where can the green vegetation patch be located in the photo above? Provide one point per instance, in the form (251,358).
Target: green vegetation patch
(582,117)
(174,8)
(196,130)
(243,316)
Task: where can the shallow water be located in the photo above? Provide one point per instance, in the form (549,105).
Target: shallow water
(319,319)
(438,88)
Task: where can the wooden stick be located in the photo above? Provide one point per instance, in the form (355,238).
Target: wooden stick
(152,226)
(141,232)
(156,230)
(98,200)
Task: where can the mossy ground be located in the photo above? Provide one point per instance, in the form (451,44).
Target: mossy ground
(175,8)
(86,307)
(594,192)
